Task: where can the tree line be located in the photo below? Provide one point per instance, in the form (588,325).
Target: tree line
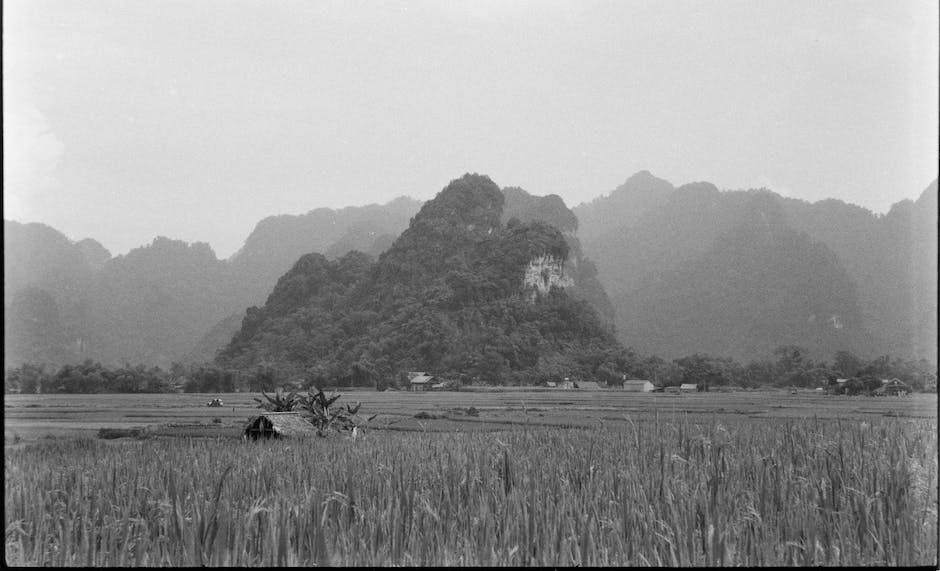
(789,367)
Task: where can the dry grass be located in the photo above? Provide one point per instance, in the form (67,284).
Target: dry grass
(653,493)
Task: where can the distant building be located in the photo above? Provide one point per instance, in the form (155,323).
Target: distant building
(638,386)
(421,382)
(551,384)
(688,387)
(894,387)
(588,386)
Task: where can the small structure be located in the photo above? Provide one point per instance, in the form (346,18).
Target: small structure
(688,387)
(421,382)
(215,403)
(588,386)
(437,387)
(279,425)
(638,386)
(551,384)
(895,387)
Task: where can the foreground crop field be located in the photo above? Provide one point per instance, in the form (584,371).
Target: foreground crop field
(552,478)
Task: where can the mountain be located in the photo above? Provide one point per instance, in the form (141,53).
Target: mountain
(758,286)
(168,300)
(214,340)
(278,241)
(96,255)
(46,278)
(890,262)
(460,293)
(33,329)
(153,304)
(36,255)
(624,206)
(893,260)
(681,228)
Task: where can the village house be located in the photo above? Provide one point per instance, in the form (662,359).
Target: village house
(421,381)
(637,386)
(894,387)
(688,387)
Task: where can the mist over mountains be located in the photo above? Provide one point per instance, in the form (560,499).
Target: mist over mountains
(671,248)
(676,270)
(155,304)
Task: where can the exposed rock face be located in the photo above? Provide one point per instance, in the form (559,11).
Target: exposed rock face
(545,272)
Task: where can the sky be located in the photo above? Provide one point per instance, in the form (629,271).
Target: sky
(126,120)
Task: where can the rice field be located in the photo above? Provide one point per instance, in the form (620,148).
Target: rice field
(675,488)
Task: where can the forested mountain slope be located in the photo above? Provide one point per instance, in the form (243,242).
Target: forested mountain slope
(460,293)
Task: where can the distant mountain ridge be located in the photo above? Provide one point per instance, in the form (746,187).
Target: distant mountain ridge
(155,304)
(278,241)
(170,300)
(890,261)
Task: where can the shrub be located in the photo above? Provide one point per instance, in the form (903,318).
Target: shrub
(134,432)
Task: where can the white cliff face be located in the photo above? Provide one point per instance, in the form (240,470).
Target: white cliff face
(543,272)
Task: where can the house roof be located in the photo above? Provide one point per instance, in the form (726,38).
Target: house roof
(635,382)
(421,379)
(588,385)
(688,386)
(284,423)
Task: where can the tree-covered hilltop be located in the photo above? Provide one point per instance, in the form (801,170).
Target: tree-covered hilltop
(459,293)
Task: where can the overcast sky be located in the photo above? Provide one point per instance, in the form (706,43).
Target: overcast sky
(125,120)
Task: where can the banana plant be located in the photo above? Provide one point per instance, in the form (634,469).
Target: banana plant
(318,408)
(279,402)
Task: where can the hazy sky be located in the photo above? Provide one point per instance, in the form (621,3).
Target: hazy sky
(124,120)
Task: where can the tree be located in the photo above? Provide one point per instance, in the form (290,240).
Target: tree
(704,370)
(847,364)
(759,373)
(790,358)
(279,402)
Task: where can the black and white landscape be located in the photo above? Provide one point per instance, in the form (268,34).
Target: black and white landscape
(447,283)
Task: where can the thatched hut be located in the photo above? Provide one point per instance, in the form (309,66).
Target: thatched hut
(279,425)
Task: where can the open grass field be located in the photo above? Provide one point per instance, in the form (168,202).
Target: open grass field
(537,478)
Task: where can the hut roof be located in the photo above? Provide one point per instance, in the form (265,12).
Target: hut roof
(421,379)
(688,387)
(284,424)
